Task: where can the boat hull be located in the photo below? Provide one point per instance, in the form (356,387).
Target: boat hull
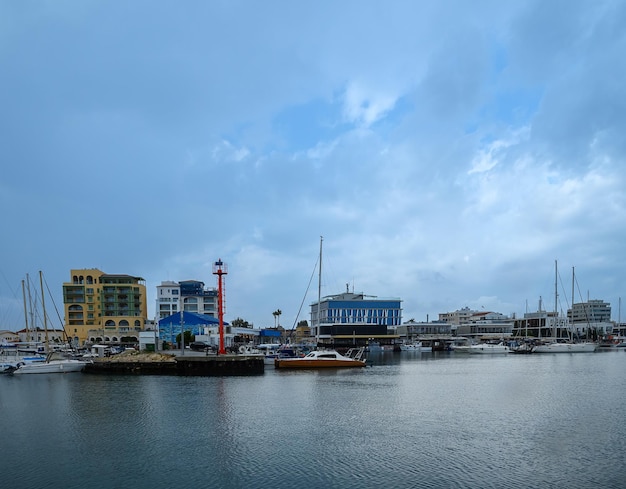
(316,363)
(488,349)
(51,367)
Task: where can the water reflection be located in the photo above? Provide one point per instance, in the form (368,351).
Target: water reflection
(409,420)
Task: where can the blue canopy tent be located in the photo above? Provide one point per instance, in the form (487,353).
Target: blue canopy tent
(170,326)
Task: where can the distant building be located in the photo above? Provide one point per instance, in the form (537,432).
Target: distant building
(194,295)
(101,307)
(588,318)
(593,315)
(541,324)
(460,316)
(486,324)
(413,330)
(351,319)
(593,311)
(40,335)
(8,337)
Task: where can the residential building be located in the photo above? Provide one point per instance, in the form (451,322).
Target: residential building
(195,297)
(7,336)
(414,330)
(101,307)
(593,315)
(460,316)
(349,319)
(592,311)
(485,324)
(40,335)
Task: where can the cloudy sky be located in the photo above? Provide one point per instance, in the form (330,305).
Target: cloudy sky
(447,151)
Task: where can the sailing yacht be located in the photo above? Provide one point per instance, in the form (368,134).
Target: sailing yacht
(566,346)
(326,358)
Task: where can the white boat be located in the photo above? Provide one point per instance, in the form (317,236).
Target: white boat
(460,345)
(54,363)
(566,347)
(324,359)
(488,348)
(9,362)
(273,351)
(415,346)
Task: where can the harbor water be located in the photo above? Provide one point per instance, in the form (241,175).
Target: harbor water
(427,420)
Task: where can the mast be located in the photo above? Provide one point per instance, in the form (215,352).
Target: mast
(43,306)
(33,328)
(319,292)
(556,298)
(25,311)
(572,323)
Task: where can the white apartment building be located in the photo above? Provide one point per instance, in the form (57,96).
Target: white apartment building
(192,294)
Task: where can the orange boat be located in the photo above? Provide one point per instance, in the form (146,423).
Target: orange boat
(324,359)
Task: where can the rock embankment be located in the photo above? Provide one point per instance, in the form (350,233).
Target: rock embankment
(137,357)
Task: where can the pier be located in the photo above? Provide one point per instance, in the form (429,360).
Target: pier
(183,365)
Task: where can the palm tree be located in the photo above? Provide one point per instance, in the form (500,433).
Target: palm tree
(276,315)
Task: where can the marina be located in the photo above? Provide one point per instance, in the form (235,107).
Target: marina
(435,420)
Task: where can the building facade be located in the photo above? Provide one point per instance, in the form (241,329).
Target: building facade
(486,324)
(592,311)
(351,319)
(101,307)
(460,316)
(193,294)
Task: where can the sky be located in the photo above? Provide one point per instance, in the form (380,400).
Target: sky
(449,152)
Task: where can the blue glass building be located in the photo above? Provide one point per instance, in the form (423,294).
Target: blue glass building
(349,319)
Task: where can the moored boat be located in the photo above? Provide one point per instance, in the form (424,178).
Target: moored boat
(9,363)
(54,363)
(488,348)
(415,346)
(524,348)
(324,359)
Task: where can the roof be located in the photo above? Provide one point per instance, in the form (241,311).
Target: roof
(190,319)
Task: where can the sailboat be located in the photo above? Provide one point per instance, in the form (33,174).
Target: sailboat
(54,362)
(326,358)
(564,346)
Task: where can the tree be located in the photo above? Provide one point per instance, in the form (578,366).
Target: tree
(276,315)
(189,338)
(240,323)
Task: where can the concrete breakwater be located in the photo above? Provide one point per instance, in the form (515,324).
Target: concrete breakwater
(167,364)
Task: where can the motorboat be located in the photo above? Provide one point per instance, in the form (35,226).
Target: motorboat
(461,345)
(278,351)
(324,359)
(488,348)
(9,363)
(415,346)
(524,348)
(54,363)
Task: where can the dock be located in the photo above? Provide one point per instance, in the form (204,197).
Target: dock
(183,365)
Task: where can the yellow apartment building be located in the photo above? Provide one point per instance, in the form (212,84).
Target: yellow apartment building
(104,308)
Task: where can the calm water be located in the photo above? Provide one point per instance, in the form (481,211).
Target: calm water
(411,420)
